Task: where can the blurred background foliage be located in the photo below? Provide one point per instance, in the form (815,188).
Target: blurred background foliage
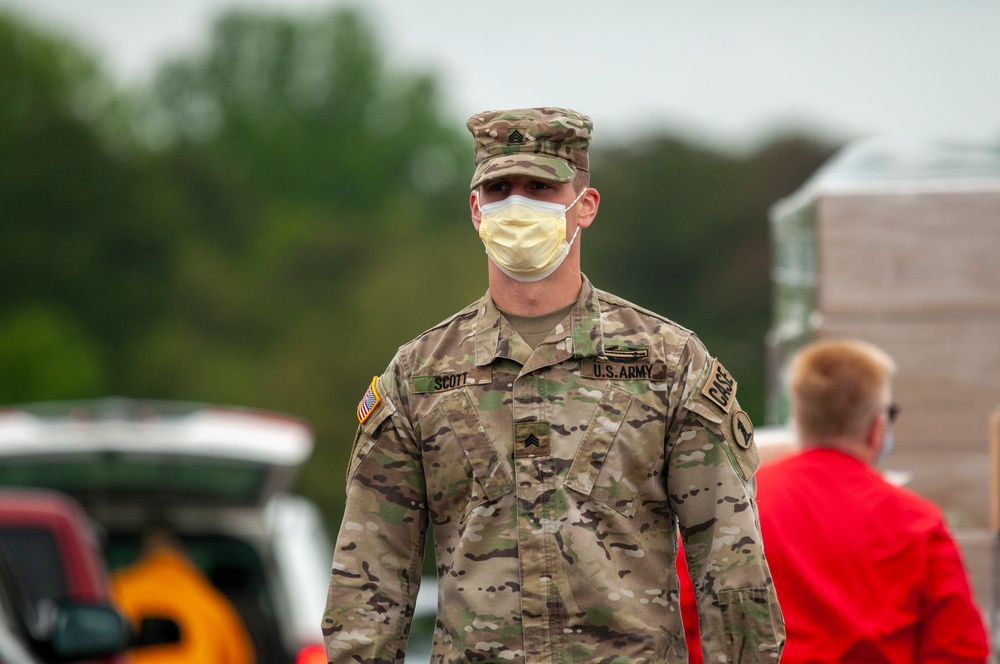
(269,219)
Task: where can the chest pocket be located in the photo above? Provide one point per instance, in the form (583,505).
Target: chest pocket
(461,465)
(621,451)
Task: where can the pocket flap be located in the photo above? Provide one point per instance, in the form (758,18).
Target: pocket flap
(601,432)
(705,412)
(479,451)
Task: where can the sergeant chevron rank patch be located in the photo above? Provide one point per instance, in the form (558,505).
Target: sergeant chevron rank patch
(531,439)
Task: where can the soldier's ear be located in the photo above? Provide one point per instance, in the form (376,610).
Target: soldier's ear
(477,216)
(588,203)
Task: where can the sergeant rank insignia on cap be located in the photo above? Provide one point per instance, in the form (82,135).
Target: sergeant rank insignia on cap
(368,402)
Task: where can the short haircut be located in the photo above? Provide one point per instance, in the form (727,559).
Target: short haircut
(837,386)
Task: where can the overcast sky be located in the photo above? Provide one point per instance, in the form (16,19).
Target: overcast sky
(728,71)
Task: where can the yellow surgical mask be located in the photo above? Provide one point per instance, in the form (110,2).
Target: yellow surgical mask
(525,238)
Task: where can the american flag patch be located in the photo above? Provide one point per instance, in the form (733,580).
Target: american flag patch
(368,402)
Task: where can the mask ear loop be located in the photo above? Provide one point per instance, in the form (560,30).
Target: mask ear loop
(584,191)
(577,231)
(573,239)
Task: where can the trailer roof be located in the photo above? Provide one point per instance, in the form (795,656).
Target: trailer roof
(880,164)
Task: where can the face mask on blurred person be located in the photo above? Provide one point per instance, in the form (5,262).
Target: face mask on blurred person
(526,238)
(887,443)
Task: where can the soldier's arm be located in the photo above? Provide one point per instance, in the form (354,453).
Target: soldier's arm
(712,460)
(378,555)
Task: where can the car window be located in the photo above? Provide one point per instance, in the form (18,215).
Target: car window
(33,557)
(14,617)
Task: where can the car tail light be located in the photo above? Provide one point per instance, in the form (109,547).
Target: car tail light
(312,655)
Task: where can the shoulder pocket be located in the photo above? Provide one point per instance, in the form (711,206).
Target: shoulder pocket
(735,430)
(368,434)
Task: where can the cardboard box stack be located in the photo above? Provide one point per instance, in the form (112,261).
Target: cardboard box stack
(900,246)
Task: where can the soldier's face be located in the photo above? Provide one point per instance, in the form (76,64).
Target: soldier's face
(582,213)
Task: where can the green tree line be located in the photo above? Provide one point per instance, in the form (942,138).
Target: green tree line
(267,220)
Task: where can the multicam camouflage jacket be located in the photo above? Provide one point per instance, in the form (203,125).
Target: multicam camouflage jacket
(555,482)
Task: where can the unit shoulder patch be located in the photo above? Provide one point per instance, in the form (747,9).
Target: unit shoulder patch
(742,429)
(369,402)
(720,388)
(738,431)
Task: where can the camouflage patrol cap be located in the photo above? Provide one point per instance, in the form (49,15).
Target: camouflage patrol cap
(549,143)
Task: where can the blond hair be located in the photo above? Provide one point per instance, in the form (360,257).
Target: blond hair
(837,386)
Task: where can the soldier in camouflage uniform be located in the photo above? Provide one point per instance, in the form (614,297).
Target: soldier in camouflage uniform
(556,439)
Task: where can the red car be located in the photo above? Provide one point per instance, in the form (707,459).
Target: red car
(52,550)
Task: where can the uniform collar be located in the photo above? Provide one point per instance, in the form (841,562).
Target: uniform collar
(494,335)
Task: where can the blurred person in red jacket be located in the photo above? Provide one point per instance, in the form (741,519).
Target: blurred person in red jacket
(689,609)
(866,572)
(164,583)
